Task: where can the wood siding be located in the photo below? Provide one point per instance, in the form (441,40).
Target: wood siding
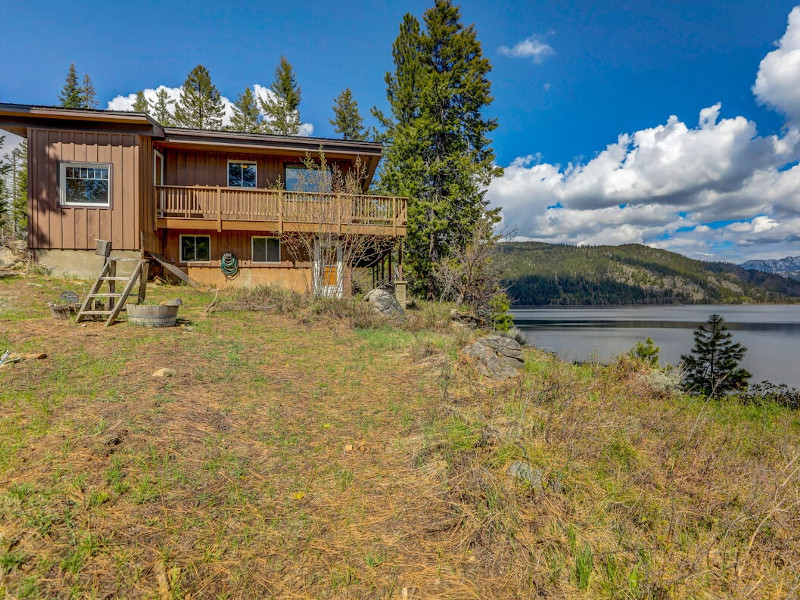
(151,242)
(193,167)
(236,242)
(52,226)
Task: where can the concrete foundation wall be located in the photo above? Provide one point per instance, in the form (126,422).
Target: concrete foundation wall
(293,278)
(83,264)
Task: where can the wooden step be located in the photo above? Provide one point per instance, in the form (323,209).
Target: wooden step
(124,259)
(96,312)
(107,278)
(105,295)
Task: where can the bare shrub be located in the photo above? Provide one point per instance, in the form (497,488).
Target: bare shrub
(333,201)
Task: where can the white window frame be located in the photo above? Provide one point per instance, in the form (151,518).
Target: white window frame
(194,235)
(253,238)
(62,183)
(157,154)
(241,162)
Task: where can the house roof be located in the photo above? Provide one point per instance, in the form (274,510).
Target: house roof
(16,118)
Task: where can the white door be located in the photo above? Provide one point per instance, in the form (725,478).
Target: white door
(328,268)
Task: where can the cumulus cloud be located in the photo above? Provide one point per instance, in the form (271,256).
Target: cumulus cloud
(779,73)
(532,47)
(125,102)
(712,190)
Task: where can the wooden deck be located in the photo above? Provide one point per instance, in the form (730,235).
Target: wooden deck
(256,209)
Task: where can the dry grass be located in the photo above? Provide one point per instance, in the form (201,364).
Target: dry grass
(293,455)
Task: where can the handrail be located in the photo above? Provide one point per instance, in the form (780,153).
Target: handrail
(220,203)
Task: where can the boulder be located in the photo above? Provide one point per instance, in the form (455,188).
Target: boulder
(384,302)
(465,319)
(7,257)
(496,356)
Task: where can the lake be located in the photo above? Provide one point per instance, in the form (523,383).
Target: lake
(771,333)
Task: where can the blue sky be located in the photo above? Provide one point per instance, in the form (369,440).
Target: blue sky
(603,69)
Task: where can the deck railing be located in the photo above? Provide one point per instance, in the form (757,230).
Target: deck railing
(214,203)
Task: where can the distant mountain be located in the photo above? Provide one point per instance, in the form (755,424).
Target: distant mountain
(788,267)
(550,274)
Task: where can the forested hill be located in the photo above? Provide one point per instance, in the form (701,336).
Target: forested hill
(549,274)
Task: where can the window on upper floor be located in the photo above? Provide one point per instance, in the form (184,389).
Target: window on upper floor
(158,168)
(299,178)
(242,174)
(85,184)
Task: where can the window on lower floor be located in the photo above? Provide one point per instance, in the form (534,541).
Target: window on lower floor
(85,184)
(195,248)
(241,174)
(266,249)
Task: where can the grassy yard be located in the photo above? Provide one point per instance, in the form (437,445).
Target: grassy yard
(299,452)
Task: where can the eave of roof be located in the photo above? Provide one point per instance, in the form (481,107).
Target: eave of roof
(27,113)
(181,135)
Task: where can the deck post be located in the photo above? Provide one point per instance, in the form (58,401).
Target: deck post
(394,216)
(219,208)
(280,211)
(338,200)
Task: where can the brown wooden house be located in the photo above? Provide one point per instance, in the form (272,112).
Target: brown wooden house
(190,196)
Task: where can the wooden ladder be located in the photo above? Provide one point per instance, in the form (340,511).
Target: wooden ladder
(116,300)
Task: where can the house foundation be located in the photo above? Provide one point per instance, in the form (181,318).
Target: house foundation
(82,264)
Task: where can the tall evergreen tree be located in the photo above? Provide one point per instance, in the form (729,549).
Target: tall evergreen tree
(281,109)
(159,108)
(347,121)
(19,187)
(712,367)
(246,117)
(140,103)
(200,104)
(5,193)
(72,94)
(88,92)
(439,153)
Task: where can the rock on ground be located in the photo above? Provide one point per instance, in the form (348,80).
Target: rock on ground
(384,302)
(164,372)
(496,356)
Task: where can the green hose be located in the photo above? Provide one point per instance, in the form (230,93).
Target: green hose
(229,265)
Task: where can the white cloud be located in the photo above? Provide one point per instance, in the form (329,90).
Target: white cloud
(126,103)
(779,72)
(714,190)
(532,47)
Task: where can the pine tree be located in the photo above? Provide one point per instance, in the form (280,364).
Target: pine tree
(646,352)
(160,107)
(19,187)
(438,151)
(281,109)
(347,121)
(140,104)
(72,94)
(200,104)
(5,193)
(246,117)
(89,94)
(712,367)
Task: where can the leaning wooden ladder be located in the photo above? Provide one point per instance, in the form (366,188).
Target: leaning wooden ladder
(116,300)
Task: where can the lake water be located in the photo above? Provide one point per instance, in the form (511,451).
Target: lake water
(770,332)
